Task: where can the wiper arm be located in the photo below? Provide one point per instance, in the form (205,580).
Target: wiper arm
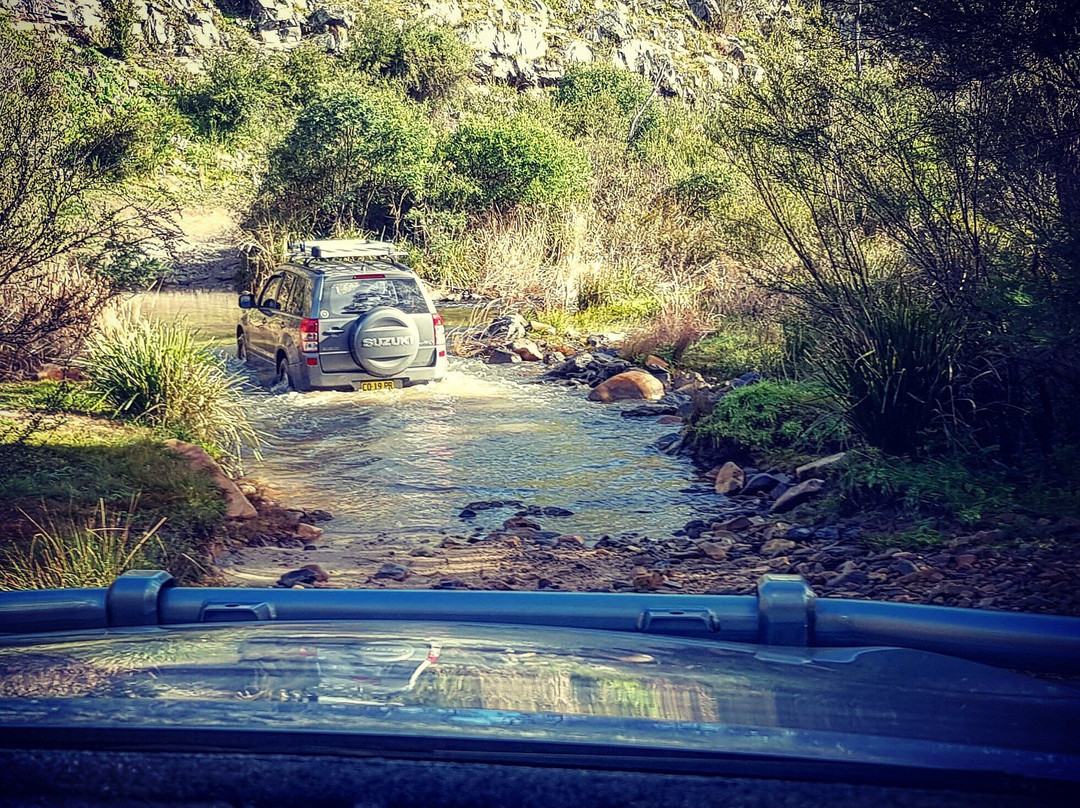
(784,612)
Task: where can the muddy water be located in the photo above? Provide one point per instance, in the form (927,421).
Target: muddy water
(402,464)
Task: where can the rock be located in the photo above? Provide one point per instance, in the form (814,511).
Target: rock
(501,356)
(714,550)
(541,328)
(307,575)
(644,579)
(668,420)
(656,363)
(450,583)
(293,518)
(746,379)
(395,572)
(813,468)
(577,52)
(730,478)
(735,523)
(319,516)
(236,504)
(669,444)
(777,547)
(632,384)
(575,542)
(517,522)
(654,410)
(509,327)
(308,532)
(605,339)
(806,490)
(760,483)
(695,528)
(527,350)
(310,547)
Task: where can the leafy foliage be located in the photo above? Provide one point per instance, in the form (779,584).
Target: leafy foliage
(235,88)
(502,164)
(605,101)
(775,417)
(356,154)
(431,63)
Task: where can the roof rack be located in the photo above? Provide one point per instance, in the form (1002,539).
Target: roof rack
(345,248)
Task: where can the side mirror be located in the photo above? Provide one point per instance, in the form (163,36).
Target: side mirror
(247,300)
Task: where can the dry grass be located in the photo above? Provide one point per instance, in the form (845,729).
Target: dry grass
(680,323)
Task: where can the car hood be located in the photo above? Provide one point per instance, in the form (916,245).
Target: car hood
(531,685)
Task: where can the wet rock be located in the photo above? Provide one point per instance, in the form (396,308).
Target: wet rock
(467,513)
(308,532)
(761,484)
(815,467)
(527,350)
(651,411)
(487,505)
(292,518)
(670,443)
(735,523)
(694,529)
(519,522)
(450,583)
(631,384)
(573,542)
(777,547)
(502,356)
(307,575)
(310,547)
(799,533)
(668,420)
(547,510)
(318,516)
(395,572)
(804,491)
(730,478)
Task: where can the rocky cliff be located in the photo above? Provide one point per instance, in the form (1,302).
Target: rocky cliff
(685,46)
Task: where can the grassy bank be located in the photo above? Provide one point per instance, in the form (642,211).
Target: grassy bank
(83,497)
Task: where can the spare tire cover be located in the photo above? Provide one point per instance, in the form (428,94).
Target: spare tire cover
(385,341)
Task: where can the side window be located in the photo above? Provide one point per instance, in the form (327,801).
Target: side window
(290,286)
(271,294)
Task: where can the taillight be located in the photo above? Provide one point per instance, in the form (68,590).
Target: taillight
(309,335)
(440,330)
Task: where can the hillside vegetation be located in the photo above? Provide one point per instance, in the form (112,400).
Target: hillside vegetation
(886,208)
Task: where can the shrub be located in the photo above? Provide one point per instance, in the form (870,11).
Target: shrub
(431,62)
(355,153)
(736,346)
(775,418)
(604,100)
(120,39)
(133,270)
(305,72)
(235,88)
(156,374)
(375,43)
(505,163)
(932,487)
(887,354)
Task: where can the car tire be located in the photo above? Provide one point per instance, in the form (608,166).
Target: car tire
(283,376)
(241,347)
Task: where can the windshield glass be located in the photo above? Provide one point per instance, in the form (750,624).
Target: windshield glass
(357,296)
(522,683)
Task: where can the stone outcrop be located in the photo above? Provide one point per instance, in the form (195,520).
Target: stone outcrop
(237,505)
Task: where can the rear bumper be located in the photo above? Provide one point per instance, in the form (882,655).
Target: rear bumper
(312,377)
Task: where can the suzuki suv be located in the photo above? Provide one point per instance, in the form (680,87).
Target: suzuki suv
(343,315)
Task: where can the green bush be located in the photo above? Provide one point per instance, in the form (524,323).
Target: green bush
(133,271)
(431,62)
(775,418)
(120,39)
(603,100)
(375,43)
(355,154)
(307,69)
(739,345)
(236,87)
(889,355)
(943,488)
(156,374)
(506,163)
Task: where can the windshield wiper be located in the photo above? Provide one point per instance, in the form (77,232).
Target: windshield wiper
(784,612)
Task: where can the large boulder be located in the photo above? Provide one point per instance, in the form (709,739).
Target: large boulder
(796,496)
(629,385)
(730,478)
(237,505)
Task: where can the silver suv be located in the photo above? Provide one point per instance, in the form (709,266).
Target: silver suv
(343,315)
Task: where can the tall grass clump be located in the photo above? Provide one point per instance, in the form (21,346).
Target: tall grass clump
(73,554)
(156,374)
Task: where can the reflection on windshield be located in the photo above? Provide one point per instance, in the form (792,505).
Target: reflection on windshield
(362,295)
(526,677)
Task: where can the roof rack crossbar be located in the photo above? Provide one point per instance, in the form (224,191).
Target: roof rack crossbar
(345,248)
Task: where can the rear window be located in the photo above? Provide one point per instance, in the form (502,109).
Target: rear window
(358,296)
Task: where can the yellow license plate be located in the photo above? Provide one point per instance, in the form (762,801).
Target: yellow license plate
(367,386)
